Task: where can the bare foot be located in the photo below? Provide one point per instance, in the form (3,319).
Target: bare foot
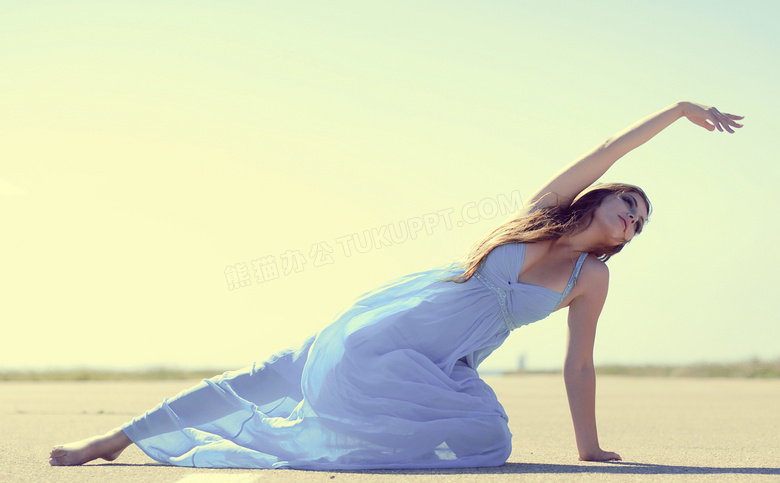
(108,446)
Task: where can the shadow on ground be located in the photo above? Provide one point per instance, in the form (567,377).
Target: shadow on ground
(616,467)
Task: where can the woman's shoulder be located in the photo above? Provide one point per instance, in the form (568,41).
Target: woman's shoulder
(592,282)
(594,273)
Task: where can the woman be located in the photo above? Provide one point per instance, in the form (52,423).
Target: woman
(392,382)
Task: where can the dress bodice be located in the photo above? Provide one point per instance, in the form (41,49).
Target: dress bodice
(521,303)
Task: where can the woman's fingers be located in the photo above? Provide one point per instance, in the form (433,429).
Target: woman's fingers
(601,455)
(727,124)
(715,116)
(732,120)
(720,121)
(614,456)
(705,123)
(710,118)
(723,121)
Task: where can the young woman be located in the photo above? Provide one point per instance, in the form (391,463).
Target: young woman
(392,382)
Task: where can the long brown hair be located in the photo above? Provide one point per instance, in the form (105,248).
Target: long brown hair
(550,223)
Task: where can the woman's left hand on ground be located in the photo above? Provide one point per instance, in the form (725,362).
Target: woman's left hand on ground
(601,455)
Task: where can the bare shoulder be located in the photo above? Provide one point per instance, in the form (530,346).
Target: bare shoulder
(592,284)
(593,278)
(593,267)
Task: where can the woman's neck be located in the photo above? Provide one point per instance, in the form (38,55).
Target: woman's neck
(585,241)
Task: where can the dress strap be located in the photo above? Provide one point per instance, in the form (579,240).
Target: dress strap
(575,273)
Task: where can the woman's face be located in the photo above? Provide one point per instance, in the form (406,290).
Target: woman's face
(622,216)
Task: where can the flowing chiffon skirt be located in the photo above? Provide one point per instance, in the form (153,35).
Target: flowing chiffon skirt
(391,383)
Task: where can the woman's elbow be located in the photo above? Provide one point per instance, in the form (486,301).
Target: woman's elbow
(578,367)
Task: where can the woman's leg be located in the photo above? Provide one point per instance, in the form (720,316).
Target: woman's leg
(273,387)
(201,404)
(108,446)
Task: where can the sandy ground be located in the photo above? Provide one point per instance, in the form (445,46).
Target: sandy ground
(665,430)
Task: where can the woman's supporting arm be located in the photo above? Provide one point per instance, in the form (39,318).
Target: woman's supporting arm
(578,370)
(581,173)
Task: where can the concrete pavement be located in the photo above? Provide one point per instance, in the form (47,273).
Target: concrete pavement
(665,430)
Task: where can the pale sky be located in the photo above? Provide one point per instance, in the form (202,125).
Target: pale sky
(148,148)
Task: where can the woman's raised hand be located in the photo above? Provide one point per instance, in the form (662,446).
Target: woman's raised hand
(710,118)
(584,171)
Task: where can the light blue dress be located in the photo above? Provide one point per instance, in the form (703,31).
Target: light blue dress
(391,383)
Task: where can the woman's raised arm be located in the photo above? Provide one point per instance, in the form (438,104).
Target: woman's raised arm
(570,181)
